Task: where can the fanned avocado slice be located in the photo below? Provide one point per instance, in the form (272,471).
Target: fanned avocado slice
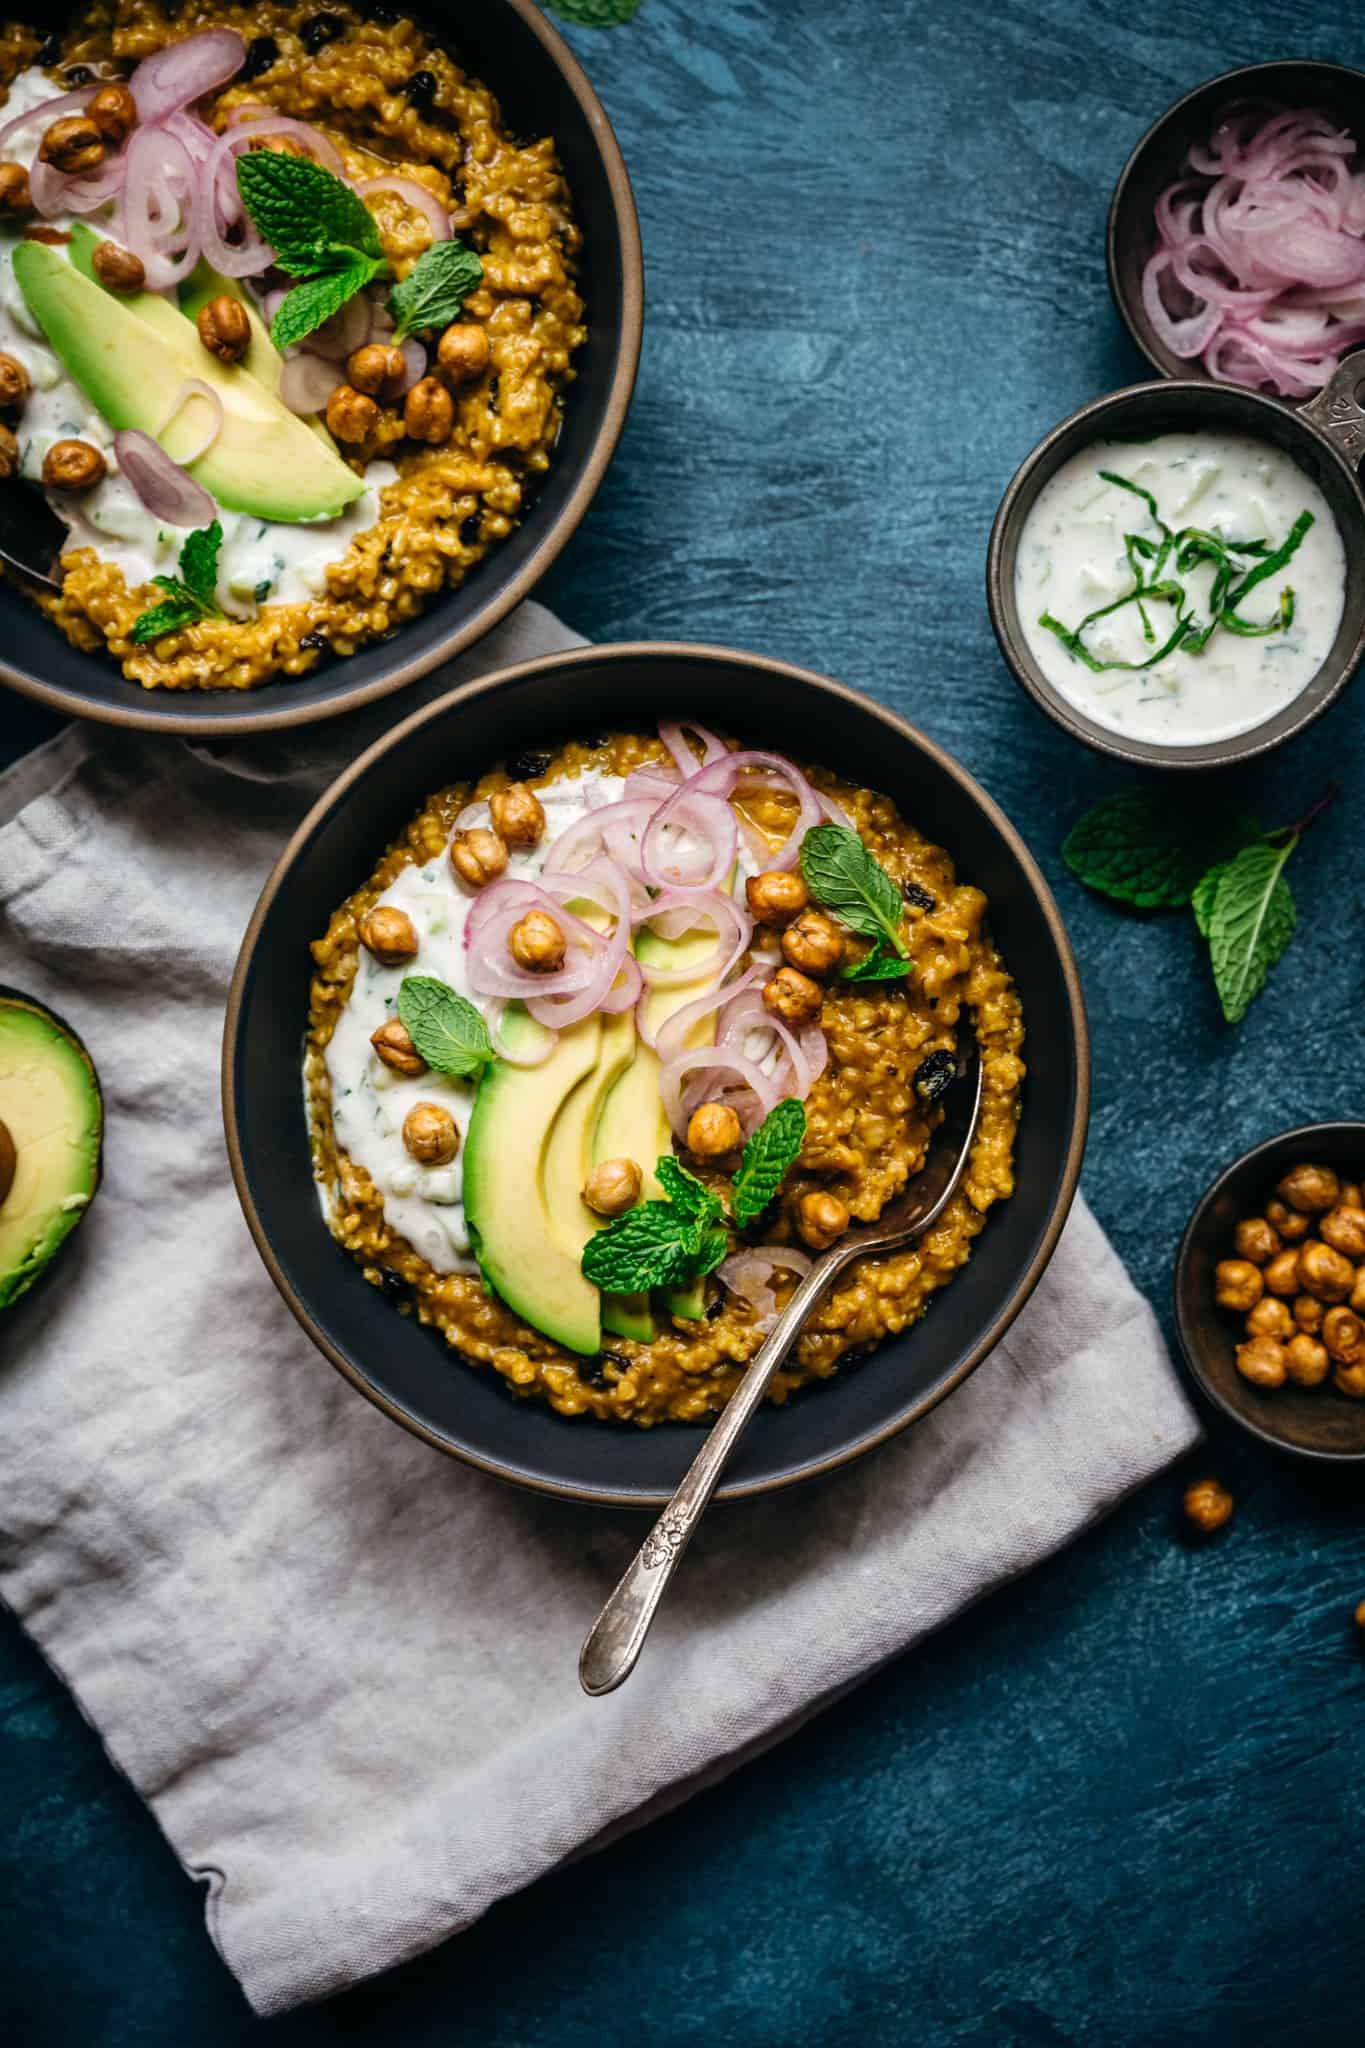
(51,1139)
(131,357)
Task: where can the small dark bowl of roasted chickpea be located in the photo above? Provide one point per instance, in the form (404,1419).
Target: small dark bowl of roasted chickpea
(1270,1291)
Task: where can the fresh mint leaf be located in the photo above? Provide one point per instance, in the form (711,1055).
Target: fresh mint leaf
(199,561)
(446,1029)
(165,618)
(650,1246)
(714,1246)
(843,875)
(878,966)
(312,220)
(436,287)
(766,1158)
(1143,849)
(1202,895)
(314,301)
(1250,922)
(596,13)
(689,1196)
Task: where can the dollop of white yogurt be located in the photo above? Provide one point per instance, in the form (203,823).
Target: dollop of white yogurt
(1071,560)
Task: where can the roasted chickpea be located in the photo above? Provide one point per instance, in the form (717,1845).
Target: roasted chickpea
(379,370)
(1344,1230)
(1281,1276)
(775,899)
(1207,1505)
(1324,1272)
(390,934)
(224,328)
(1351,1196)
(1271,1318)
(16,199)
(14,382)
(1237,1283)
(73,466)
(1350,1379)
(1305,1360)
(814,944)
(430,1135)
(1344,1335)
(1308,1313)
(429,412)
(518,814)
(393,1046)
(794,996)
(114,112)
(1257,1240)
(1291,1224)
(1310,1189)
(478,857)
(463,352)
(118,269)
(713,1130)
(613,1186)
(820,1219)
(351,416)
(9,452)
(1261,1360)
(73,144)
(537,943)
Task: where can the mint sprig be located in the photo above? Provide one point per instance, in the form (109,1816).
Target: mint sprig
(190,596)
(1140,849)
(849,880)
(763,1167)
(435,289)
(445,1027)
(596,13)
(659,1244)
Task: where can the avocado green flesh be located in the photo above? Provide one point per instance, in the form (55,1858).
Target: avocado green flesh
(262,360)
(130,357)
(51,1108)
(515,1214)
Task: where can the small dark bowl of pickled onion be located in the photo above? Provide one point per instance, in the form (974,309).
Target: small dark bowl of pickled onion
(1244,342)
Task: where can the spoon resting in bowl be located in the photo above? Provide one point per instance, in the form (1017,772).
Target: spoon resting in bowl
(617,1636)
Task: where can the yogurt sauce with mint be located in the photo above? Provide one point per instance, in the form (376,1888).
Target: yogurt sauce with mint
(1071,560)
(285,563)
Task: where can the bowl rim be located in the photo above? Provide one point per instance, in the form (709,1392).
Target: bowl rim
(1209,755)
(198,718)
(1222,81)
(625,652)
(1299,1133)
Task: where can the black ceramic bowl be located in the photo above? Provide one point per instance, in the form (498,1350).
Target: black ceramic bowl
(1313,1422)
(1322,449)
(406,1370)
(543,91)
(1156,163)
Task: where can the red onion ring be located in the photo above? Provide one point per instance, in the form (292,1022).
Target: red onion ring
(417,198)
(673,734)
(415,363)
(493,1016)
(573,991)
(344,333)
(691,840)
(673,1033)
(307,382)
(194,387)
(748,1274)
(164,488)
(751,1092)
(219,205)
(679,912)
(159,206)
(727,777)
(804,1051)
(183,72)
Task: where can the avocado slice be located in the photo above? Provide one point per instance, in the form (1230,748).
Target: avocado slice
(52,1120)
(633,1124)
(520,1239)
(129,359)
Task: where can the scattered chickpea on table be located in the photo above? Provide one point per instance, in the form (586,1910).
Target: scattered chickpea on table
(1298,1279)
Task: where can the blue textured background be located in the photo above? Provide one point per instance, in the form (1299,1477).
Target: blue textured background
(1120,1803)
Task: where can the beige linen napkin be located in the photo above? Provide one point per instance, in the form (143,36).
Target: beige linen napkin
(340,1667)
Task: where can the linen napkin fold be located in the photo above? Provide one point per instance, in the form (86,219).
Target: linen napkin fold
(340,1667)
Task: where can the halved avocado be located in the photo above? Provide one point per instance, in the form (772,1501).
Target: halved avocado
(130,357)
(511,1208)
(51,1139)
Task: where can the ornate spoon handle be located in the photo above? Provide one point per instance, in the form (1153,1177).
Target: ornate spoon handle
(617,1636)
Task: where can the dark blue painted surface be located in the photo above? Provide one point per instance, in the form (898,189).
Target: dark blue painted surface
(1120,1804)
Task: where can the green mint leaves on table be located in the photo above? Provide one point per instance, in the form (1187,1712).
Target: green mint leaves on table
(191,594)
(842,874)
(323,234)
(436,287)
(767,1156)
(596,13)
(659,1244)
(1157,567)
(1231,873)
(446,1029)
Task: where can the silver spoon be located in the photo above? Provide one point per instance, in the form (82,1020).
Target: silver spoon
(617,1636)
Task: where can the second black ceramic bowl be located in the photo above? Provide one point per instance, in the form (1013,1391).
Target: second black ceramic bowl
(543,91)
(406,1370)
